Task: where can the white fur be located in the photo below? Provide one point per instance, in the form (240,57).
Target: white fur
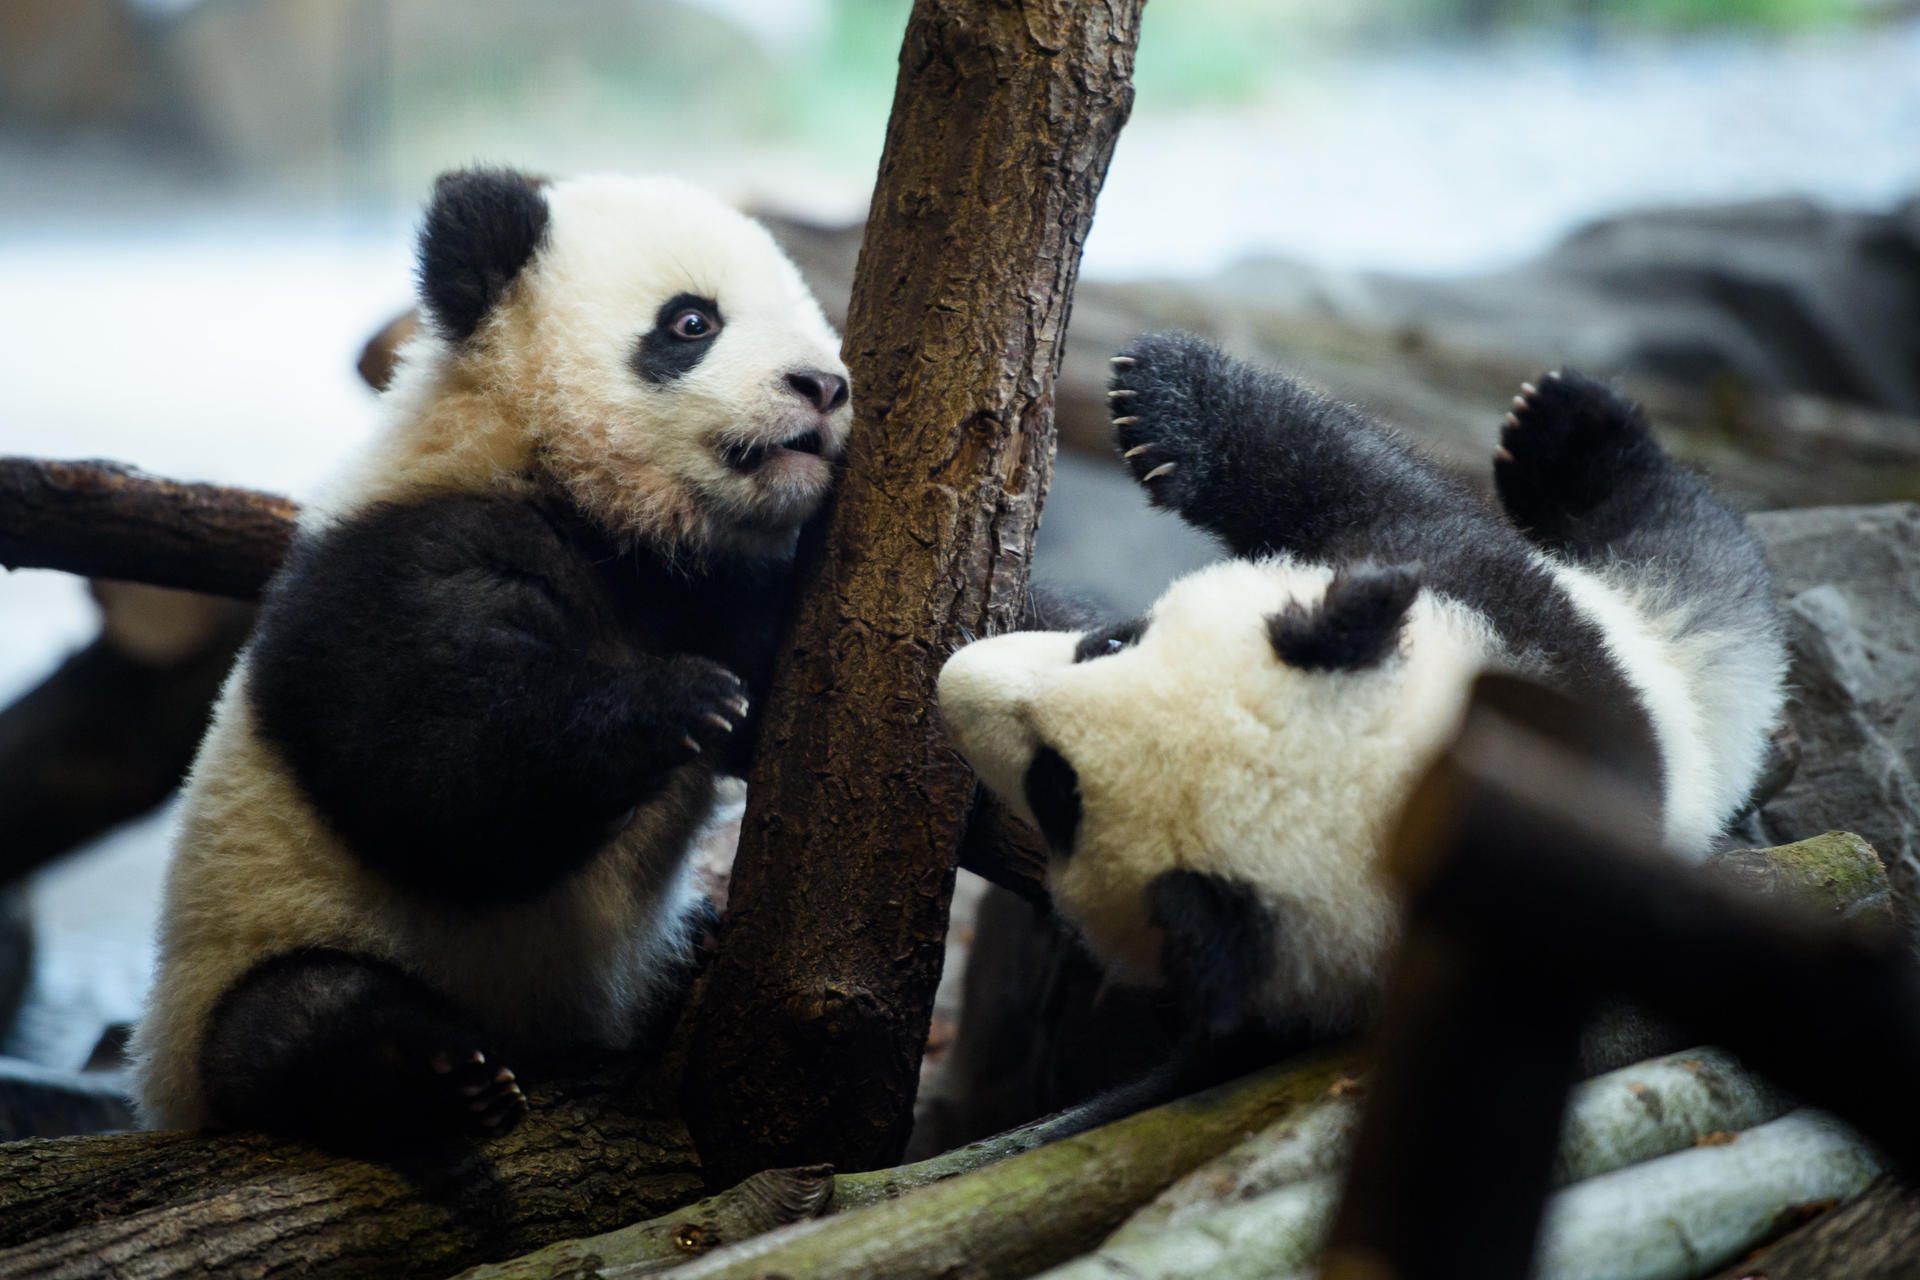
(543,393)
(542,399)
(1199,749)
(1712,698)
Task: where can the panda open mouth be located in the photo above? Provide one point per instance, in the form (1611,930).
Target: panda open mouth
(747,458)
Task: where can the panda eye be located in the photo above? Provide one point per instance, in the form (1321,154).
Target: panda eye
(692,324)
(1109,641)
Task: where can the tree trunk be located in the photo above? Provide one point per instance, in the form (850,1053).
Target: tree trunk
(809,1035)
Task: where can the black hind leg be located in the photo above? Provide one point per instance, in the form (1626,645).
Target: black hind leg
(353,1055)
(1579,469)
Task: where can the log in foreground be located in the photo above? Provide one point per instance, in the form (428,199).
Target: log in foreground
(172,1204)
(106,520)
(809,1033)
(779,1196)
(1876,1237)
(1268,1202)
(1028,1212)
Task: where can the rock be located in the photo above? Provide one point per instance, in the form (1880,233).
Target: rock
(1850,577)
(16,953)
(40,1102)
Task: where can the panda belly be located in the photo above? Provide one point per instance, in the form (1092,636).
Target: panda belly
(257,874)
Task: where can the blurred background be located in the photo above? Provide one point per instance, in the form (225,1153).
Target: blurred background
(206,209)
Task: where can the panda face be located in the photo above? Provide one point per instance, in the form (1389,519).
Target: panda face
(1259,725)
(655,350)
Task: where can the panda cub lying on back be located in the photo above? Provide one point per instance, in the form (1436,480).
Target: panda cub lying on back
(1214,779)
(442,816)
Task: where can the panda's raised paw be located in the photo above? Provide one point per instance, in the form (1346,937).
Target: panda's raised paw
(1566,443)
(1156,397)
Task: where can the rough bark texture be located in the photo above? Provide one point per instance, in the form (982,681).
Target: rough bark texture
(105,520)
(810,1033)
(1877,1237)
(172,1204)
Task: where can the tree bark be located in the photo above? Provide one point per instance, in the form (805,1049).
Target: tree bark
(105,520)
(173,1204)
(809,1035)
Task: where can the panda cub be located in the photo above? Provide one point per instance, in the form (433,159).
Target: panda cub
(1215,779)
(441,818)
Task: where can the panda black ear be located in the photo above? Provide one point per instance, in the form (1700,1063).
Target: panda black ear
(482,228)
(1355,625)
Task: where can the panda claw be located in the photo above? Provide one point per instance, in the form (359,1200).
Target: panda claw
(1502,454)
(1513,421)
(1553,375)
(1137,450)
(689,743)
(1519,402)
(1158,471)
(1123,362)
(1125,422)
(719,722)
(1529,390)
(1122,393)
(739,706)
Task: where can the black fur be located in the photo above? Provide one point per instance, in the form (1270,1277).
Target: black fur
(1053,793)
(353,1055)
(1586,479)
(1269,466)
(1356,625)
(663,355)
(1218,944)
(474,690)
(482,228)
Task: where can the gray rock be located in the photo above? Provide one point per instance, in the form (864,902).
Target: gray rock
(16,953)
(1850,578)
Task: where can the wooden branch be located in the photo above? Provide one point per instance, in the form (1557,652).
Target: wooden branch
(594,1153)
(778,1196)
(810,1033)
(105,520)
(1022,1214)
(1877,1237)
(1265,1205)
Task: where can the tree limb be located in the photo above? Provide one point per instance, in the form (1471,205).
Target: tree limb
(105,520)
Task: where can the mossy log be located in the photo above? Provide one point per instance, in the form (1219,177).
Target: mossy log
(778,1196)
(1023,1214)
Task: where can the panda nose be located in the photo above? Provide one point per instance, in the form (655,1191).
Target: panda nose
(824,391)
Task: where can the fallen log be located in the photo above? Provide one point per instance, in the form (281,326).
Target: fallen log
(593,1153)
(1268,1202)
(1028,1212)
(1876,1237)
(779,1196)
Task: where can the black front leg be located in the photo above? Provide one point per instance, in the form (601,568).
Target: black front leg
(1256,458)
(459,694)
(355,1056)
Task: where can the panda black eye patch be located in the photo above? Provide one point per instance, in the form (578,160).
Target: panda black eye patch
(1109,640)
(683,332)
(1053,793)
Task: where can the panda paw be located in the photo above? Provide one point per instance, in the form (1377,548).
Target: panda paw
(706,707)
(479,1094)
(1569,442)
(1157,398)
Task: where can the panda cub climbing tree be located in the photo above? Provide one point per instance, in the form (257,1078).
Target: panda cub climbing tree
(442,816)
(1214,779)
